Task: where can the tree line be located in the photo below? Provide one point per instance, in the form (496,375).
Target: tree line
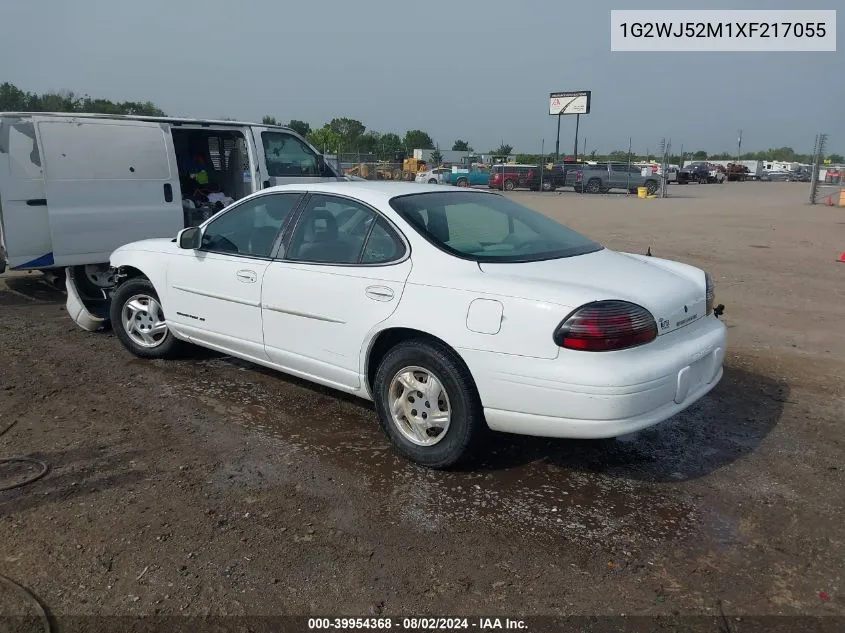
(13,99)
(350,136)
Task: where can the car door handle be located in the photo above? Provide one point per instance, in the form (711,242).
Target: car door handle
(246,276)
(379,293)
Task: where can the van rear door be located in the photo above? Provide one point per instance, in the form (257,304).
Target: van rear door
(285,158)
(24,224)
(108,182)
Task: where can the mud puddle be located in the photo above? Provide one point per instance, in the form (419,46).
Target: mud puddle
(609,490)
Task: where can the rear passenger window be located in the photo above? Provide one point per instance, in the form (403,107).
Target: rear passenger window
(382,246)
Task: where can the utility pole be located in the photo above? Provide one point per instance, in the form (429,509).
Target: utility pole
(577,123)
(557,144)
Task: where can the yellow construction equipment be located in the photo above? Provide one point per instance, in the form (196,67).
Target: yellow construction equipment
(362,170)
(412,166)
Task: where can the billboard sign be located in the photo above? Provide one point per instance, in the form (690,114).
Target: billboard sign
(569,102)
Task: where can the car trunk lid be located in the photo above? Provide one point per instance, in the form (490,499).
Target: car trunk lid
(673,293)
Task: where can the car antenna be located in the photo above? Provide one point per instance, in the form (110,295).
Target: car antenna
(648,252)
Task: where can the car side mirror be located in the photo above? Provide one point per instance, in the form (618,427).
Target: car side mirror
(189,238)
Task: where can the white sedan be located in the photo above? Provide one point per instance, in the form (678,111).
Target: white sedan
(454,310)
(436,176)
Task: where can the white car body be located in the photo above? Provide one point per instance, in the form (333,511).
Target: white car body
(657,170)
(436,176)
(717,175)
(321,321)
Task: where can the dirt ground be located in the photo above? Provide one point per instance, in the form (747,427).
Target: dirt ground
(210,486)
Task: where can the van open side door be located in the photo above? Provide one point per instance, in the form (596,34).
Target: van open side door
(24,223)
(107,183)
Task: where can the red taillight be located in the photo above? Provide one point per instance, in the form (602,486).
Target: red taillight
(605,326)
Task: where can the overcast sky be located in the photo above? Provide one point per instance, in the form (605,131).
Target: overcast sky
(476,70)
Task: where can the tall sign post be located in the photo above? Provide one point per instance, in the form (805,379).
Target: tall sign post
(576,103)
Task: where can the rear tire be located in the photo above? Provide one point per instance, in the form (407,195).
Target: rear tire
(432,181)
(463,182)
(138,321)
(651,187)
(437,434)
(594,186)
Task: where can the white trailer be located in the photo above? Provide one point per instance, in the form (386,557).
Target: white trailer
(74,187)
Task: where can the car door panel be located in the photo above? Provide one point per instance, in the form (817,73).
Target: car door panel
(319,304)
(216,300)
(316,318)
(214,292)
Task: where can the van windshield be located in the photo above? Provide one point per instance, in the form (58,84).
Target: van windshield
(487,227)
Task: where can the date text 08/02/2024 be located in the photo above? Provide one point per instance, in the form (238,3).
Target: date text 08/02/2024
(417,624)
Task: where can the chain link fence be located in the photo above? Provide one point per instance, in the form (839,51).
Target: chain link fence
(827,181)
(368,167)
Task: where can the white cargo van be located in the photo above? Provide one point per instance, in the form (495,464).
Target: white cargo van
(74,187)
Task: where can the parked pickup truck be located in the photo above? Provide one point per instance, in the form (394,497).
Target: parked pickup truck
(602,177)
(468,177)
(702,173)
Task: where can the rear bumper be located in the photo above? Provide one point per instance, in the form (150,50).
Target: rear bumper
(553,426)
(597,395)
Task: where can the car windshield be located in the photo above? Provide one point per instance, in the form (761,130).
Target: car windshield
(487,227)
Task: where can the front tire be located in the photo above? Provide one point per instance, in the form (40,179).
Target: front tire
(138,321)
(463,182)
(432,181)
(510,185)
(651,187)
(594,186)
(427,404)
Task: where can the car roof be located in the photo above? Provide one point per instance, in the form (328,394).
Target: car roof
(373,191)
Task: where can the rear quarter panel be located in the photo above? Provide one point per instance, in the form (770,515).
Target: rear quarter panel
(524,329)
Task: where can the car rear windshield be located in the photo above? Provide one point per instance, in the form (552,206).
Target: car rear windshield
(488,227)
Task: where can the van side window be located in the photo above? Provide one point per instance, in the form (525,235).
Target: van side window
(288,156)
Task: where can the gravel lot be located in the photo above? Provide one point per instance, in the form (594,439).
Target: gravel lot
(210,486)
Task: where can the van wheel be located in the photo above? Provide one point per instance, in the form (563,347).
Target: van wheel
(510,185)
(93,280)
(139,323)
(427,404)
